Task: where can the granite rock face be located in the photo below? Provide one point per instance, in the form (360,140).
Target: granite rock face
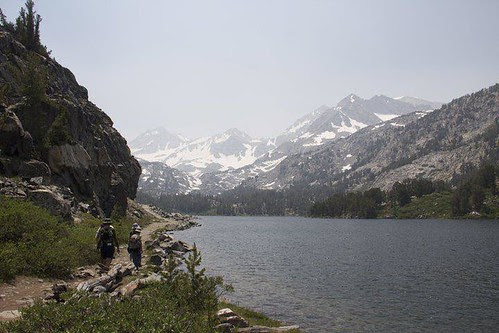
(93,160)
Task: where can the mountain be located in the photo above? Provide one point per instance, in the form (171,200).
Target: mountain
(158,178)
(51,135)
(229,150)
(419,102)
(157,142)
(437,145)
(223,161)
(324,125)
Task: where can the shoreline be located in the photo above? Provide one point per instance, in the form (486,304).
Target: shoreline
(122,282)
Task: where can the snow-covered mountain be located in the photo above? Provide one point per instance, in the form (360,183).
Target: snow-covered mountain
(314,130)
(223,161)
(156,142)
(158,178)
(221,152)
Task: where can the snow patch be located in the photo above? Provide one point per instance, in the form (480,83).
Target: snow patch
(386,117)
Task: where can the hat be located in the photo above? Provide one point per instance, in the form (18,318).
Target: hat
(107,220)
(135,226)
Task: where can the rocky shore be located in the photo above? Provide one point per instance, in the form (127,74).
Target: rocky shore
(121,281)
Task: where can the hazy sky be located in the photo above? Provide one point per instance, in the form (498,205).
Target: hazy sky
(201,67)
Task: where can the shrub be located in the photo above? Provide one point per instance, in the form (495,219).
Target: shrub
(34,242)
(161,307)
(58,133)
(34,81)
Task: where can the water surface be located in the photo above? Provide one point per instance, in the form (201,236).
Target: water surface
(331,275)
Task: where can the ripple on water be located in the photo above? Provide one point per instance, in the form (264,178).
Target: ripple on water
(358,275)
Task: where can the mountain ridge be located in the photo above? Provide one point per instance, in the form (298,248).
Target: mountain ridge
(224,160)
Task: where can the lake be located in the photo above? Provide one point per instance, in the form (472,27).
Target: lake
(334,275)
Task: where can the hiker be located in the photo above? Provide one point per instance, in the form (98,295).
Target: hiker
(135,247)
(134,226)
(106,241)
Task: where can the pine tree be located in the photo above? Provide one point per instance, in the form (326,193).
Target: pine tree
(28,28)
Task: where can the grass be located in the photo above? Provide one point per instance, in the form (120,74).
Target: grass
(434,205)
(438,205)
(34,242)
(185,302)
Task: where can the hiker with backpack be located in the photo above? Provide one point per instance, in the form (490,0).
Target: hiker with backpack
(135,246)
(106,242)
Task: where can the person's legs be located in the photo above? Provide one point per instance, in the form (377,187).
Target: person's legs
(107,253)
(136,257)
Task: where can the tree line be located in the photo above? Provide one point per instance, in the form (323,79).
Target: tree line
(467,194)
(241,201)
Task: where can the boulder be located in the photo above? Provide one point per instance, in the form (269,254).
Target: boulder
(236,321)
(224,328)
(165,238)
(129,289)
(67,156)
(159,252)
(156,260)
(9,315)
(14,140)
(225,312)
(84,273)
(52,201)
(180,246)
(33,168)
(110,281)
(228,316)
(154,277)
(59,288)
(99,289)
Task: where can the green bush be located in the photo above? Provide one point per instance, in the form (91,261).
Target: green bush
(34,242)
(161,307)
(34,81)
(58,132)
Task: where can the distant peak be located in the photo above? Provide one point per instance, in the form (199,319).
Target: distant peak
(353,98)
(381,98)
(235,131)
(350,99)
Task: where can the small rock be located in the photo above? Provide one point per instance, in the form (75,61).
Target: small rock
(156,260)
(224,328)
(226,312)
(59,288)
(10,315)
(99,289)
(236,321)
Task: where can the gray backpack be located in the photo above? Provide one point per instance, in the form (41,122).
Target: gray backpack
(135,242)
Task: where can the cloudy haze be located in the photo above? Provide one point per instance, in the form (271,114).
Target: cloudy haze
(201,67)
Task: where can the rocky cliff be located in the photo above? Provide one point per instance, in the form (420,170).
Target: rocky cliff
(61,138)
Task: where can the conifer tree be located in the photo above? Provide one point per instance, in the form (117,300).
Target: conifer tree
(28,27)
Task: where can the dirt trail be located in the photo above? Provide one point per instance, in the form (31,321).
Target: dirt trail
(25,289)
